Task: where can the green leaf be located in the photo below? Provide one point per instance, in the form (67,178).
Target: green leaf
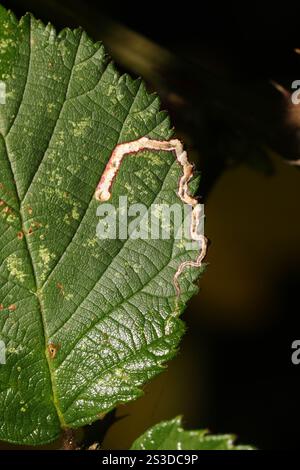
(169,435)
(86,322)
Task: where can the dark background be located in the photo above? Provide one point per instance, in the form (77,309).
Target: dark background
(234,372)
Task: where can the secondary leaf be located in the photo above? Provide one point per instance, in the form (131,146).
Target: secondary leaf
(86,322)
(169,435)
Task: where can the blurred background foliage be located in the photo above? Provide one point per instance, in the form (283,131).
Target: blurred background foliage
(225,74)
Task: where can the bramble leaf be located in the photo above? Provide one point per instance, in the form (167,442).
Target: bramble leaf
(86,321)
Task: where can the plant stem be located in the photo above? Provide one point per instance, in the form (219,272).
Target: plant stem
(69,440)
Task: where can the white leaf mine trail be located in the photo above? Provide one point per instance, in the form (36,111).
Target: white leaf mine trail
(103,190)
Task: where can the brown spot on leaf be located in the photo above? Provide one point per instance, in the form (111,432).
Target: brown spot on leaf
(12,307)
(20,235)
(35,225)
(52,350)
(60,287)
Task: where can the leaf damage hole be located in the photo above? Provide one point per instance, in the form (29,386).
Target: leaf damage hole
(103,189)
(33,228)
